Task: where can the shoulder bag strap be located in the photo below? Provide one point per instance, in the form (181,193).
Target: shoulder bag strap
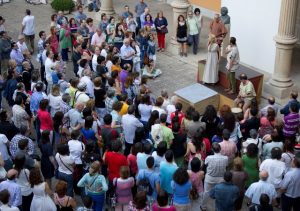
(64,164)
(90,185)
(26,175)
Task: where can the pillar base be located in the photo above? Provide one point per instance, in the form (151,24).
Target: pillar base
(281,94)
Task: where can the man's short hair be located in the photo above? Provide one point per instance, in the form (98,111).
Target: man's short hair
(233,40)
(227,176)
(243,76)
(22,144)
(163,118)
(226,134)
(107,119)
(150,162)
(294,94)
(276,153)
(216,147)
(271,100)
(169,156)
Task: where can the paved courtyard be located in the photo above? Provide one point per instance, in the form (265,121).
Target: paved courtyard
(177,72)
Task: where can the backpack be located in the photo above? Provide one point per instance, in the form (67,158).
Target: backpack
(145,185)
(157,134)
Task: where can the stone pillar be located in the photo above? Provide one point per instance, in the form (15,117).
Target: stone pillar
(107,7)
(285,42)
(180,7)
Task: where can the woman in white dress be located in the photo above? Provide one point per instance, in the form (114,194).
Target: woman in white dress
(211,69)
(41,200)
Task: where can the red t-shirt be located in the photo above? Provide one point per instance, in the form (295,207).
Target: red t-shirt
(114,161)
(180,116)
(45,120)
(207,145)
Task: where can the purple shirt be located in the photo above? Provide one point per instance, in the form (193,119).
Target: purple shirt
(17,55)
(291,122)
(123,76)
(123,190)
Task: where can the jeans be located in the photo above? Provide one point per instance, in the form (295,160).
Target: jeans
(287,203)
(68,178)
(98,201)
(64,54)
(231,80)
(138,20)
(142,58)
(207,187)
(195,42)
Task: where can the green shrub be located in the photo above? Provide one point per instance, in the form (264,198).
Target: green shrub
(63,5)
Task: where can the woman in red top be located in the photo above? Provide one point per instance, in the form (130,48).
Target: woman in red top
(114,160)
(45,118)
(131,158)
(52,38)
(178,113)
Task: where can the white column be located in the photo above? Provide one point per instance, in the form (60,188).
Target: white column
(107,7)
(285,42)
(180,7)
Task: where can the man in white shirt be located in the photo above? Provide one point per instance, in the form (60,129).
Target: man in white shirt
(98,38)
(49,68)
(130,124)
(28,29)
(76,147)
(87,73)
(255,190)
(126,53)
(274,166)
(4,143)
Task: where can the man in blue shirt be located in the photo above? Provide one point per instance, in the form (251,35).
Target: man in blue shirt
(151,176)
(286,109)
(290,187)
(80,15)
(139,9)
(166,170)
(225,194)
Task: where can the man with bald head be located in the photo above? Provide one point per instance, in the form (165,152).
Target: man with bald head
(217,27)
(75,117)
(262,186)
(271,104)
(13,188)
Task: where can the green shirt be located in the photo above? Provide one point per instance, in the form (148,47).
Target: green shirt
(193,26)
(167,135)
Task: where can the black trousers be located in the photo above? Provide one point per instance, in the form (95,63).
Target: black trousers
(127,148)
(287,203)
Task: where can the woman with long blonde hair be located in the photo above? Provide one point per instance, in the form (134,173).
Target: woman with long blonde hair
(211,70)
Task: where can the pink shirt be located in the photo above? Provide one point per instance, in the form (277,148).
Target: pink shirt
(45,120)
(168,208)
(98,40)
(123,189)
(228,148)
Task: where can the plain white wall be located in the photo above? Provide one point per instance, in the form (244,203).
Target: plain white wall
(254,23)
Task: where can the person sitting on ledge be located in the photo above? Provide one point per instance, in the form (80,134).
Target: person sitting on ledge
(246,93)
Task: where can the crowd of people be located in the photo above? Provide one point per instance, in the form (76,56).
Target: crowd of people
(103,136)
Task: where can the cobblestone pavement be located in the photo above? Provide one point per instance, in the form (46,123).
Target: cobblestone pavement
(177,72)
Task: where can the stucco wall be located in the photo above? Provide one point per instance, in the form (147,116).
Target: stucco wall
(254,24)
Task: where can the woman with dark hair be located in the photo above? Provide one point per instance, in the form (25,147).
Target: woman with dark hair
(89,156)
(264,205)
(47,160)
(119,35)
(188,118)
(230,123)
(196,178)
(62,201)
(131,158)
(181,35)
(61,133)
(45,118)
(181,188)
(148,24)
(159,154)
(267,123)
(139,202)
(65,166)
(23,181)
(41,192)
(178,112)
(162,202)
(87,131)
(196,148)
(288,154)
(154,118)
(250,163)
(212,120)
(178,145)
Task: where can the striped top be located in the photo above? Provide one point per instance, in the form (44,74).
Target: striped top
(291,123)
